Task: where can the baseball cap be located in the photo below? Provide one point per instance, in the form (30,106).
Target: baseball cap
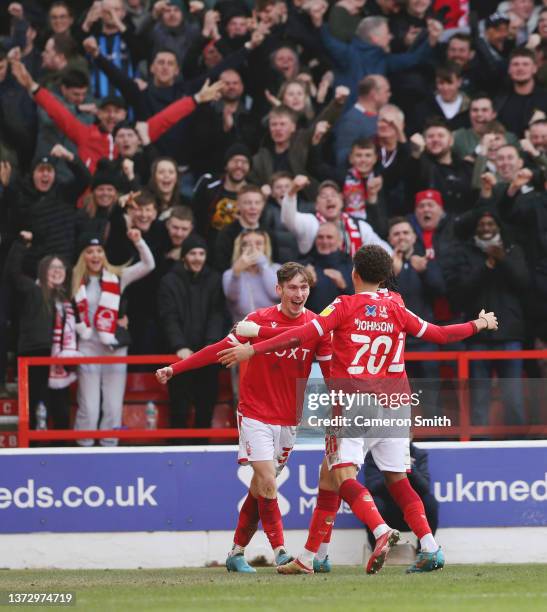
(44,160)
(496,19)
(114,101)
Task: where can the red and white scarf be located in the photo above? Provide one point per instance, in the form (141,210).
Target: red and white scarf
(63,345)
(350,230)
(106,316)
(355,193)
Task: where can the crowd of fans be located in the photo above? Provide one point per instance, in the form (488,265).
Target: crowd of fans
(160,160)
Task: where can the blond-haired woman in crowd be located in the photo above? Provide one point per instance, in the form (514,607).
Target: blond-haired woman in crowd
(250,282)
(97,287)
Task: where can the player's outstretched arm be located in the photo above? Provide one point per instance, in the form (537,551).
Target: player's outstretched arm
(206,356)
(250,329)
(293,336)
(444,334)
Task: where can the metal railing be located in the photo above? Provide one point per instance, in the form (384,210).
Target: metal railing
(464,431)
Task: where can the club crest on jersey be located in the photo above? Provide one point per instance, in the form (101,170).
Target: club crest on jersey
(383,312)
(370,310)
(274,324)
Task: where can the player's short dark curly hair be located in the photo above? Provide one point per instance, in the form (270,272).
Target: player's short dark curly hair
(372,263)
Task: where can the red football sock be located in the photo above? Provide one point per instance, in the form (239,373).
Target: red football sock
(322,519)
(271,521)
(247,523)
(412,506)
(361,503)
(326,539)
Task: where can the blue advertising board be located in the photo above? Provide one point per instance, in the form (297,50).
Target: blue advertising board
(201,489)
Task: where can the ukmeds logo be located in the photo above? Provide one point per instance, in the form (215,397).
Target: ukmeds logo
(474,491)
(491,486)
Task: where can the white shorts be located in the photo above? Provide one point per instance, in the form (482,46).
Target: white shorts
(262,442)
(389,454)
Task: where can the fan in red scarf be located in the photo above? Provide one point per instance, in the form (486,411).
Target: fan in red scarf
(106,315)
(360,184)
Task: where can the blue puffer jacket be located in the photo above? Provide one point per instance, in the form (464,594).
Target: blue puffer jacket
(357,59)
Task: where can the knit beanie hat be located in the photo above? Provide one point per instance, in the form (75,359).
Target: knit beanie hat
(106,174)
(238,148)
(89,239)
(193,241)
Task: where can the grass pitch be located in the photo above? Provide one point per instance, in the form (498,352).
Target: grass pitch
(458,587)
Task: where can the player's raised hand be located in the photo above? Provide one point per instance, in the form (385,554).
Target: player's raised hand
(247,329)
(232,356)
(487,320)
(164,374)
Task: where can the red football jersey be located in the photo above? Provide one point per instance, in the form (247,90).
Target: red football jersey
(368,338)
(268,389)
(393,295)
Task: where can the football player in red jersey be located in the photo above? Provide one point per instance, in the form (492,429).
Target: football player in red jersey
(268,410)
(369,331)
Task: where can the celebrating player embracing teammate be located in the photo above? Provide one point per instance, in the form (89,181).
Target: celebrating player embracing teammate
(268,411)
(376,354)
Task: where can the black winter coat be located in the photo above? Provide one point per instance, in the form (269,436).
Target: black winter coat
(35,318)
(325,291)
(475,286)
(50,216)
(420,289)
(191,308)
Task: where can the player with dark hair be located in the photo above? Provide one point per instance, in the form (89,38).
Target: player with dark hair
(376,355)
